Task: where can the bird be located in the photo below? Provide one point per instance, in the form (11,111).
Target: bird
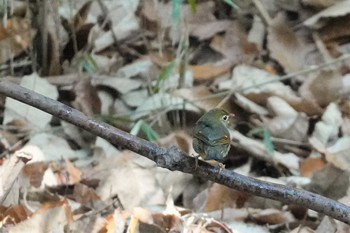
(211,137)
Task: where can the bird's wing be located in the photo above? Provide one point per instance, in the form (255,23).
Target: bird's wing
(208,135)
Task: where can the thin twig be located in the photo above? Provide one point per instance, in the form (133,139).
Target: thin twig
(44,36)
(321,47)
(15,65)
(263,12)
(174,159)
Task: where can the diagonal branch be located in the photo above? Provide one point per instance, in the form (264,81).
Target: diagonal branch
(174,159)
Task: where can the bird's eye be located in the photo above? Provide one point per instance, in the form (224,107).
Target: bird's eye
(225,117)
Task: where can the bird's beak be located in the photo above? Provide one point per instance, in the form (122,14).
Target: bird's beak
(232,116)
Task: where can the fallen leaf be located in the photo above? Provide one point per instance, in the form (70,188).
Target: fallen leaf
(122,30)
(259,150)
(335,29)
(86,98)
(338,153)
(319,3)
(327,225)
(206,71)
(286,123)
(249,105)
(179,139)
(327,129)
(49,147)
(302,229)
(206,30)
(15,37)
(161,101)
(289,49)
(340,8)
(330,182)
(121,175)
(122,85)
(84,194)
(311,165)
(323,88)
(35,172)
(250,80)
(53,216)
(273,217)
(221,197)
(234,45)
(201,97)
(74,174)
(14,215)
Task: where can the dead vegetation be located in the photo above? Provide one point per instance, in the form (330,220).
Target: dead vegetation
(152,68)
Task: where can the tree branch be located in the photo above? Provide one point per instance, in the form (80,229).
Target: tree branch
(174,159)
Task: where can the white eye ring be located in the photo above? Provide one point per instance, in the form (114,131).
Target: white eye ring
(225,117)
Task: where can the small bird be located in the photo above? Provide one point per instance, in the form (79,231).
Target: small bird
(211,138)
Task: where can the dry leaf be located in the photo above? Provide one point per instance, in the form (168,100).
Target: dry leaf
(247,227)
(336,29)
(289,49)
(122,85)
(234,45)
(206,30)
(122,175)
(14,215)
(84,194)
(49,147)
(327,225)
(330,181)
(86,98)
(199,95)
(319,3)
(338,153)
(248,79)
(35,172)
(257,33)
(249,105)
(287,123)
(205,72)
(160,13)
(302,229)
(311,165)
(340,8)
(15,37)
(135,98)
(323,88)
(221,197)
(54,216)
(121,30)
(74,174)
(273,217)
(168,222)
(259,150)
(108,149)
(326,130)
(161,101)
(345,126)
(179,139)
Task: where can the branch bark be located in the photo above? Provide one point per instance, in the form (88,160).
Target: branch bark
(174,159)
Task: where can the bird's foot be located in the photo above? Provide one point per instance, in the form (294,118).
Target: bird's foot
(221,166)
(196,158)
(217,164)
